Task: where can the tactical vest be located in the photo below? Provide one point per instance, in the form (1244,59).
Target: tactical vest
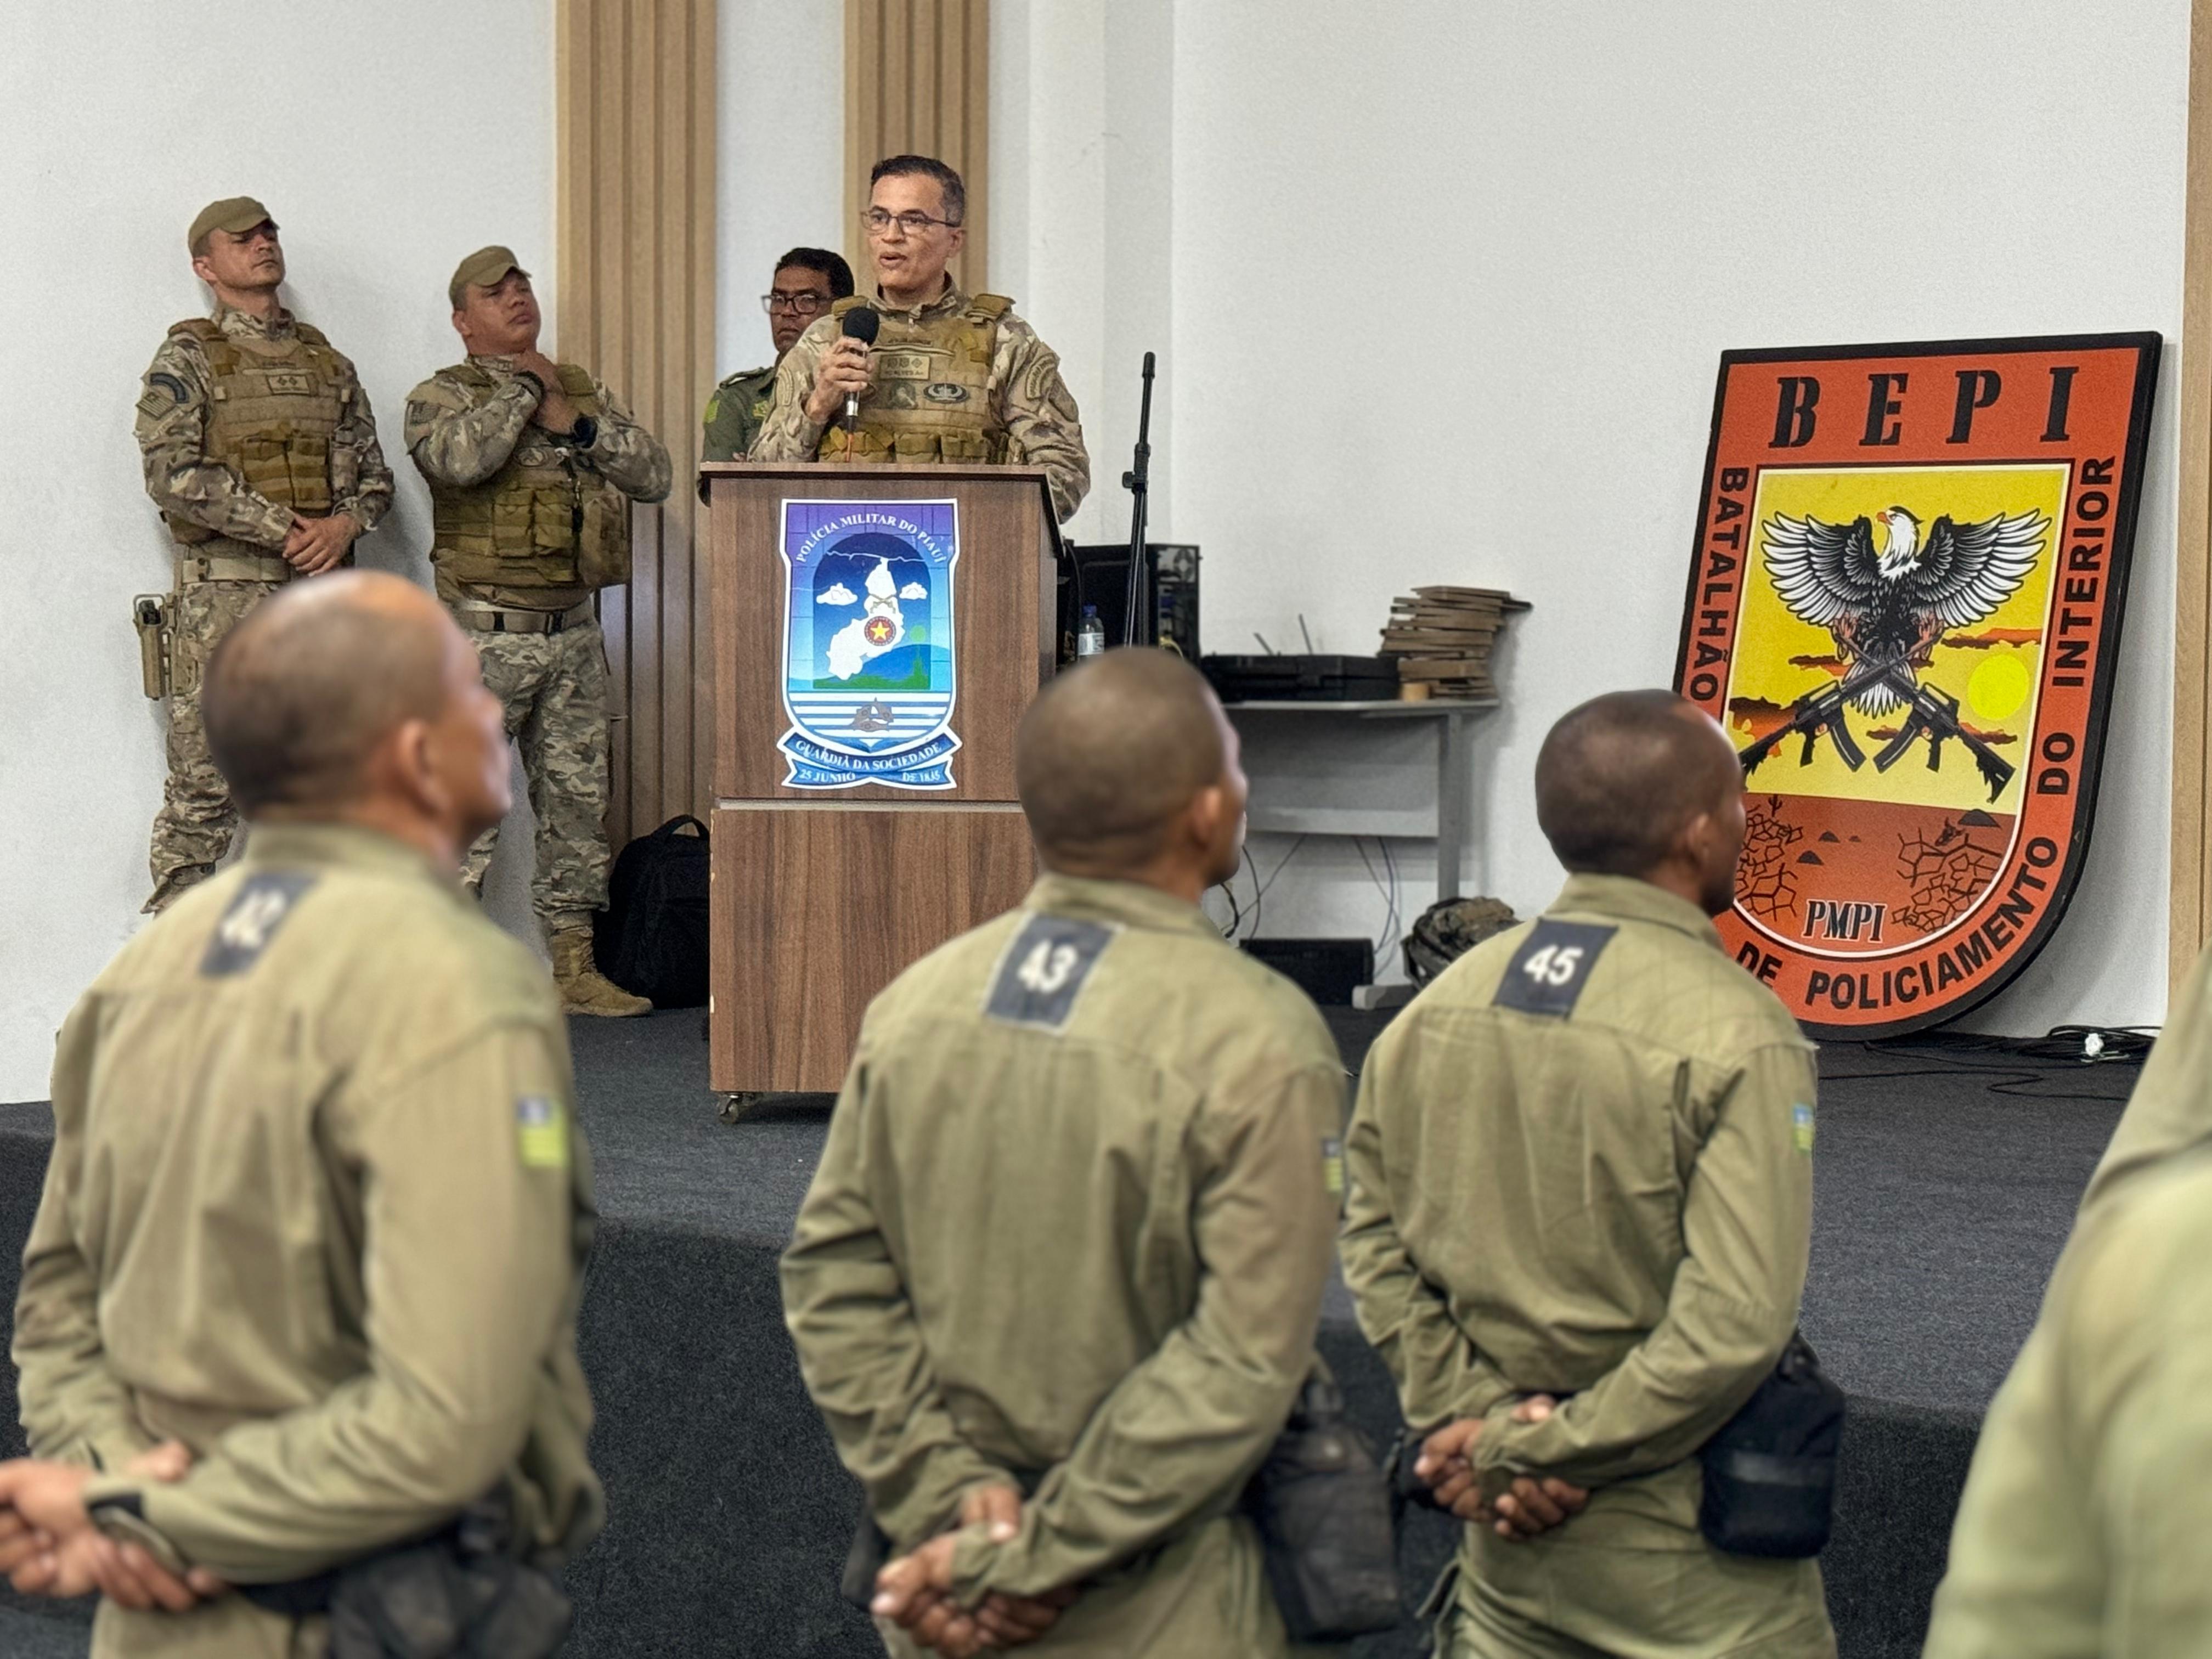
(539,521)
(273,407)
(929,399)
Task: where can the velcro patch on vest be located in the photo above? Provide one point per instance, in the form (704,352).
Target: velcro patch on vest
(251,920)
(904,365)
(1547,973)
(291,383)
(945,392)
(1044,971)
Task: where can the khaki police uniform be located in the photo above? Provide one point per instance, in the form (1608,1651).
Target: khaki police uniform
(1070,1232)
(316,1208)
(735,413)
(960,378)
(242,425)
(1580,1165)
(2083,1524)
(526,526)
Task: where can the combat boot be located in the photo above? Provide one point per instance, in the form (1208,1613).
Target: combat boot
(584,988)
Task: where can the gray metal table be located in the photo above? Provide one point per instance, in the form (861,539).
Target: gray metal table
(1454,721)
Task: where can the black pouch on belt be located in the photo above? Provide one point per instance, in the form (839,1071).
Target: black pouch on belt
(459,1593)
(1322,1504)
(1771,1472)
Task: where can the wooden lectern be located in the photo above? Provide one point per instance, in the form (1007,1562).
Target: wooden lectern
(823,895)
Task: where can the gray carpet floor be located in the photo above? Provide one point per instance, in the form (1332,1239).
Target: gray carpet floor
(1945,1182)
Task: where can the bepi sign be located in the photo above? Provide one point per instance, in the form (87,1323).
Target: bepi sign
(1904,608)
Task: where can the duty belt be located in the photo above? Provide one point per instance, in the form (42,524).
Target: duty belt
(500,619)
(232,567)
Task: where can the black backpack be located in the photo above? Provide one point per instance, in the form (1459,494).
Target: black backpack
(652,938)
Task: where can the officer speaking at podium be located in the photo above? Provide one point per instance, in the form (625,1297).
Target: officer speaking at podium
(952,376)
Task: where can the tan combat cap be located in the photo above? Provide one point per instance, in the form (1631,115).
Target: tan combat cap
(483,269)
(235,213)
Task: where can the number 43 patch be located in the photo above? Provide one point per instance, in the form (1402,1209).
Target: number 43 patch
(1045,969)
(1547,973)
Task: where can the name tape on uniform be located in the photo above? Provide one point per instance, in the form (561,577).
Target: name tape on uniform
(1045,969)
(251,920)
(1547,973)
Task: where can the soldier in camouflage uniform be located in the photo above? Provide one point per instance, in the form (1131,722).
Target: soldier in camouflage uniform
(952,377)
(533,466)
(807,282)
(261,452)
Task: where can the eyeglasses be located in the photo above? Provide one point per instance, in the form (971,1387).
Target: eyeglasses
(879,222)
(803,304)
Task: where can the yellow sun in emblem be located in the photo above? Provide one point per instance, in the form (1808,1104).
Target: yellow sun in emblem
(1998,687)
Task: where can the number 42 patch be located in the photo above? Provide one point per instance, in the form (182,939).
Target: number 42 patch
(1547,973)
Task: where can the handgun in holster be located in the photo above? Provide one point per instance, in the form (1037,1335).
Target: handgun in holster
(465,1592)
(1321,1506)
(149,614)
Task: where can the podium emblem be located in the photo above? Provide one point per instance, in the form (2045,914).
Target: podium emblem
(868,666)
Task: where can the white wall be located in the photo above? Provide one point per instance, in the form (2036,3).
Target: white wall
(1447,285)
(388,141)
(780,182)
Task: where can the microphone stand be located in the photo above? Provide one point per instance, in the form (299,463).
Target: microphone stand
(1138,482)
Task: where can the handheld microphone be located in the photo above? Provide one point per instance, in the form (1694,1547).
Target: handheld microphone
(861,323)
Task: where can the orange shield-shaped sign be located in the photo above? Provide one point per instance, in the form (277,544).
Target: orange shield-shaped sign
(1904,607)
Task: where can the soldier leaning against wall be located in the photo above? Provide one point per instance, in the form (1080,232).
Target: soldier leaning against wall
(260,450)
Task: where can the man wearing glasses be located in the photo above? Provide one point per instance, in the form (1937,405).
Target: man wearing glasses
(807,281)
(952,377)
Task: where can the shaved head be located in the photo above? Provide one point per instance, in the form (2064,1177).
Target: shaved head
(1620,779)
(1111,754)
(301,693)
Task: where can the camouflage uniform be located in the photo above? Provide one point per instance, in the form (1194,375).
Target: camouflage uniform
(229,513)
(1021,411)
(526,596)
(735,413)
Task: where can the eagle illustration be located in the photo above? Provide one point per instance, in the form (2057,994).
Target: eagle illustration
(1893,606)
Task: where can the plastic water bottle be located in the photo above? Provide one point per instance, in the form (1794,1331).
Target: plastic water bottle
(1091,638)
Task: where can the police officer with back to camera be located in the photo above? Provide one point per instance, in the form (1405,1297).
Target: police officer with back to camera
(2083,1526)
(533,466)
(1055,1284)
(806,283)
(1577,1226)
(300,1297)
(952,376)
(260,450)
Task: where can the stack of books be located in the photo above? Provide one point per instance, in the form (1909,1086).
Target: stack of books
(1442,637)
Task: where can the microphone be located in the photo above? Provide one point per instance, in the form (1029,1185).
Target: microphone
(861,323)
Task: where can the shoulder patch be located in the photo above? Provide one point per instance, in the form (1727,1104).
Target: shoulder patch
(251,920)
(161,381)
(1547,973)
(541,1129)
(1044,971)
(1801,1124)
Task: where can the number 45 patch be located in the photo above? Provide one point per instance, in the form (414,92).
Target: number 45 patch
(1547,973)
(1045,969)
